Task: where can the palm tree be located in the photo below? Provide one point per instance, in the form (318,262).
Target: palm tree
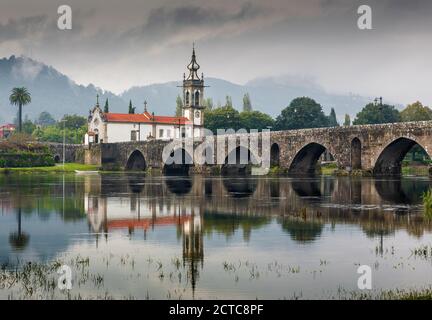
(20,97)
(19,240)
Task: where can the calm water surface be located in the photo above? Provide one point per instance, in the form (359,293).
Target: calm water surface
(218,237)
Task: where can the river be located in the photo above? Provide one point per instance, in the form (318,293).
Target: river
(136,236)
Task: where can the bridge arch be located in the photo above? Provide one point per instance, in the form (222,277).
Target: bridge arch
(306,158)
(356,151)
(181,165)
(274,155)
(238,161)
(57,158)
(389,161)
(136,161)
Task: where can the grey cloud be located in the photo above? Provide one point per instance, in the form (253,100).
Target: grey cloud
(23,27)
(186,16)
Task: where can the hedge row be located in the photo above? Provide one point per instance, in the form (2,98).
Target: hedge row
(26,159)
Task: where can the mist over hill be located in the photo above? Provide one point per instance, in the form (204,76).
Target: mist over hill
(56,93)
(50,90)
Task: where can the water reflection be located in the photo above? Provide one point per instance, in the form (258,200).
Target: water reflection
(41,215)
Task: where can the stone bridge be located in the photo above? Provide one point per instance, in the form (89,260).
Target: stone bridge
(72,152)
(376,148)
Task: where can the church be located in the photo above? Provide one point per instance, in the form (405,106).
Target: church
(107,127)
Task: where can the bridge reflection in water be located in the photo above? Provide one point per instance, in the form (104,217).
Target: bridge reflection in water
(198,205)
(201,217)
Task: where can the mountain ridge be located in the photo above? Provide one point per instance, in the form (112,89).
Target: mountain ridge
(51,88)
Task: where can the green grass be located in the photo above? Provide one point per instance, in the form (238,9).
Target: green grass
(415,170)
(328,169)
(69,167)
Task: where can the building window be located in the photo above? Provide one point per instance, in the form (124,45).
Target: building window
(133,135)
(161,133)
(168,133)
(197,98)
(187,98)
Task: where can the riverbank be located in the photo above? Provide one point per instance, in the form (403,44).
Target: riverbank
(409,170)
(59,168)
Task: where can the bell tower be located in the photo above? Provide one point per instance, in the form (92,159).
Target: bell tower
(193,97)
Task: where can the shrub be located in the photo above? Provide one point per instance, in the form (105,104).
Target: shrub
(26,159)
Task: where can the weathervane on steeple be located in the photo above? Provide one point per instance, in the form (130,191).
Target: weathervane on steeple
(97,99)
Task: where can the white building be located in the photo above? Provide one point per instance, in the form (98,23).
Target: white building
(107,127)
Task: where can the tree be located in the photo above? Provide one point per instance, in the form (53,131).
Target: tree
(179,106)
(377,113)
(228,101)
(20,97)
(332,119)
(255,120)
(247,104)
(45,119)
(208,103)
(222,118)
(131,109)
(302,113)
(106,107)
(73,121)
(28,126)
(416,112)
(347,121)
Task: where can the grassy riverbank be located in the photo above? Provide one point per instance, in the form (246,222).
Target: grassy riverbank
(68,167)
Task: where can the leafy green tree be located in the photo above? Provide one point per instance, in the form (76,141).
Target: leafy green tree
(255,120)
(332,119)
(222,118)
(106,107)
(45,119)
(208,103)
(73,121)
(179,106)
(377,113)
(302,113)
(247,104)
(416,112)
(347,121)
(28,126)
(55,133)
(228,101)
(131,109)
(20,97)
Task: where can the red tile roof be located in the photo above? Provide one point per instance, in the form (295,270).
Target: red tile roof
(146,223)
(145,117)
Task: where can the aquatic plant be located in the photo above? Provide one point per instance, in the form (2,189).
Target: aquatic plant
(427,203)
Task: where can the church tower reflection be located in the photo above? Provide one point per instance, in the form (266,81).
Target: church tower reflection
(193,248)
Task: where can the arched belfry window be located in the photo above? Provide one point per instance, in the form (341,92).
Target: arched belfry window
(197,98)
(187,97)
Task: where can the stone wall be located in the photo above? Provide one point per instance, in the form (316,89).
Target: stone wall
(73,152)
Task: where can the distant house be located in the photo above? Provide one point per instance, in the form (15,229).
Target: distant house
(6,130)
(107,127)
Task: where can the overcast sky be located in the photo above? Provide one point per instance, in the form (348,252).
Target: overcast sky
(118,44)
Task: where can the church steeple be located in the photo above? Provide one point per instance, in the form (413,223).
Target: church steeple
(193,67)
(193,96)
